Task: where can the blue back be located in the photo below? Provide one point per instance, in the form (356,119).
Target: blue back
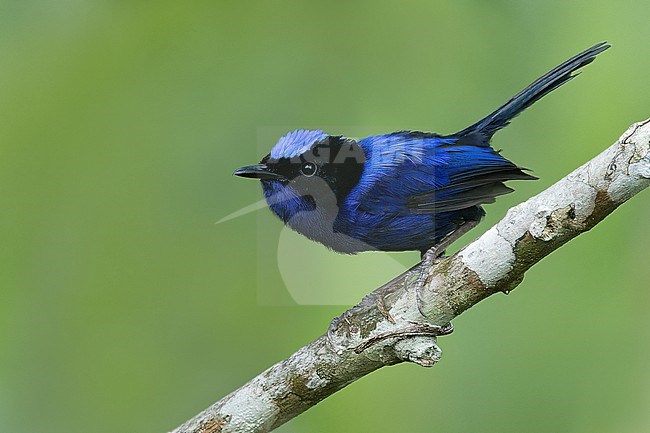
(416,187)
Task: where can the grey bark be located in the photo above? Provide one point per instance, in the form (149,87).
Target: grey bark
(400,321)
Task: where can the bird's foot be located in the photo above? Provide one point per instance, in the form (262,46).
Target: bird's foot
(429,258)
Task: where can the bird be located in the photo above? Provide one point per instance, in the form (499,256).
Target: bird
(401,191)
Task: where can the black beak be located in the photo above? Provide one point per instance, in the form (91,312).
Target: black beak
(257,171)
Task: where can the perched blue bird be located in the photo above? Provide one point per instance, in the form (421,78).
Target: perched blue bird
(406,190)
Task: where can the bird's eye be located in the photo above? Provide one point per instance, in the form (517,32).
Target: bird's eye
(308,169)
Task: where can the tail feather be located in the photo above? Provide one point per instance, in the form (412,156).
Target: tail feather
(550,81)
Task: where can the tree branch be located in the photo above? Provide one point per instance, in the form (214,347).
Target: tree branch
(400,321)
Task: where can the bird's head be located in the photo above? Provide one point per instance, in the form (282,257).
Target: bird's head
(308,170)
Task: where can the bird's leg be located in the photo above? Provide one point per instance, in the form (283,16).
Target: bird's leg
(429,257)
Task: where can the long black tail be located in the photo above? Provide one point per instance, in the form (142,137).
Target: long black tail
(550,81)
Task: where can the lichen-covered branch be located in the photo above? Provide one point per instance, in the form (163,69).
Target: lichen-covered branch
(401,320)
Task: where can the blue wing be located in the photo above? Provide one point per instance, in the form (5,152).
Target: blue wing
(416,188)
(418,173)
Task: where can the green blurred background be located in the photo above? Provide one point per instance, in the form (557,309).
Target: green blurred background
(124,308)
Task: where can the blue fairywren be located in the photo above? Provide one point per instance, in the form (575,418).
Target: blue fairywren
(406,190)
